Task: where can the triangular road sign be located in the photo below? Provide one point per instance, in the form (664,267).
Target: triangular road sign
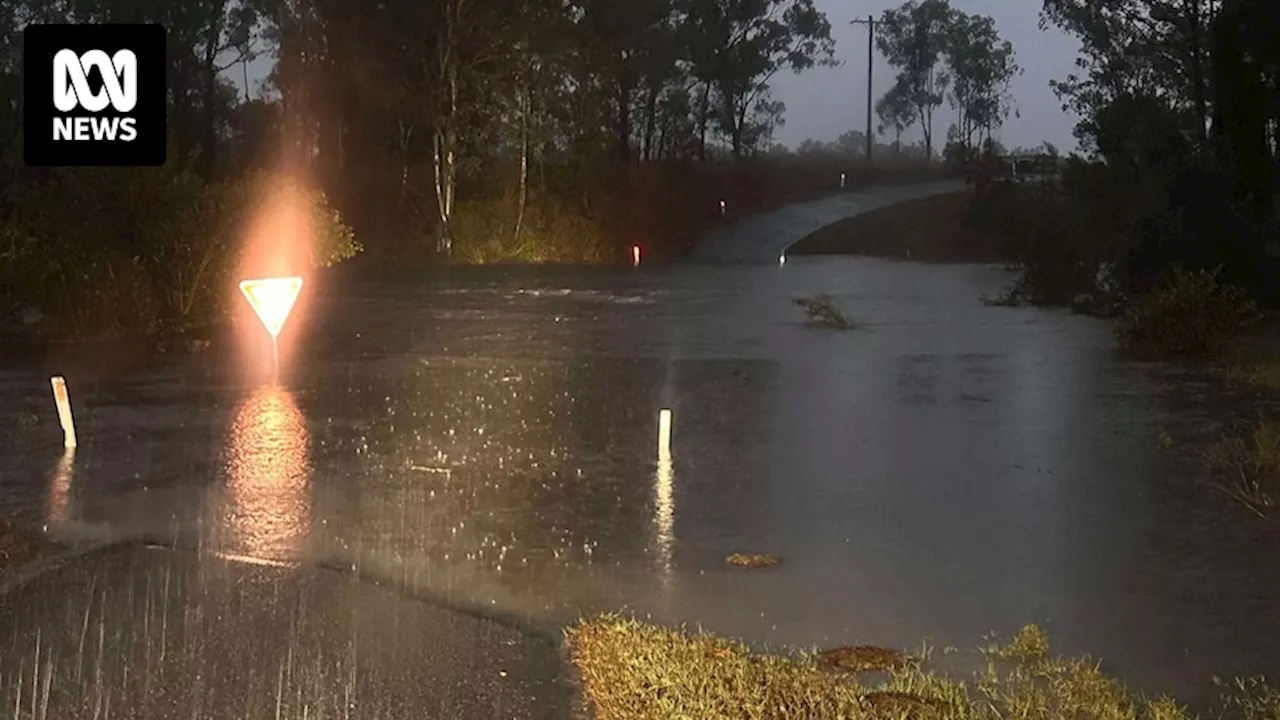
(272,299)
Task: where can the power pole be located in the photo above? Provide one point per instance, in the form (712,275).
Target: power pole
(870,22)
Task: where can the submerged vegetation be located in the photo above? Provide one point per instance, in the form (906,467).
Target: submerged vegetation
(753,560)
(823,311)
(1248,468)
(632,670)
(1190,314)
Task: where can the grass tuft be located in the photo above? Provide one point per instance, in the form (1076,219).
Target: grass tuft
(753,560)
(1248,468)
(1265,374)
(1191,314)
(635,671)
(823,312)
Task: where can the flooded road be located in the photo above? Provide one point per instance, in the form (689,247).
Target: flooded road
(490,439)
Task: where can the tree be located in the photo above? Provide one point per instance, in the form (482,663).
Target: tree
(981,68)
(1157,48)
(897,112)
(1246,80)
(914,38)
(631,45)
(852,142)
(735,47)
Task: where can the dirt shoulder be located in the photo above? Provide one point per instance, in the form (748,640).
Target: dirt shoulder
(930,229)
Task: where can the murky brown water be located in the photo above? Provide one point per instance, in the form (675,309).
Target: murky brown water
(491,438)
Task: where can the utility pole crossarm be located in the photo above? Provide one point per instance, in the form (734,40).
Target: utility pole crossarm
(870,22)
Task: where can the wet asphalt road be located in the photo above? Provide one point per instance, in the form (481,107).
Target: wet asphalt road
(140,632)
(487,439)
(762,238)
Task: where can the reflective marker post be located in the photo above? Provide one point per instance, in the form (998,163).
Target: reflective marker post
(664,433)
(63,401)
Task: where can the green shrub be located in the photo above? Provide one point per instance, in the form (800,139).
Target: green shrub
(1189,314)
(124,251)
(484,232)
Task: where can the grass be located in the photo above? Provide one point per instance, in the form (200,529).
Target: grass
(1248,468)
(1264,374)
(636,671)
(822,311)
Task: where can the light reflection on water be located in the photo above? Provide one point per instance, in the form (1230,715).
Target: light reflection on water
(664,506)
(267,506)
(60,489)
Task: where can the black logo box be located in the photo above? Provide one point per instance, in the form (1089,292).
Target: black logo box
(41,43)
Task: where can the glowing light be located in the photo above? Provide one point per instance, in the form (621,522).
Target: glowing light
(723,207)
(635,255)
(664,504)
(267,508)
(272,300)
(63,401)
(842,177)
(782,259)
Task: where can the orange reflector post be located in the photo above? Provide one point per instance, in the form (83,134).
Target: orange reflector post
(272,300)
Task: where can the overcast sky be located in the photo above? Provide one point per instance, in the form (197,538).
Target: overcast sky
(824,102)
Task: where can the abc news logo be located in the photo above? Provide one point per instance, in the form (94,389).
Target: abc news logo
(94,95)
(71,90)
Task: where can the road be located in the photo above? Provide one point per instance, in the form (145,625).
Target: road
(762,238)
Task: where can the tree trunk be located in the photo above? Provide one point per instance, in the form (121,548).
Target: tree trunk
(651,119)
(703,110)
(624,116)
(406,135)
(209,94)
(523,198)
(444,159)
(739,115)
(1198,90)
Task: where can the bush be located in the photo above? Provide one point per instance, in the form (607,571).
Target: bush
(484,232)
(1190,314)
(123,251)
(1069,243)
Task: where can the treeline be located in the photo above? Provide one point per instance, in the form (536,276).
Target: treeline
(465,130)
(1179,103)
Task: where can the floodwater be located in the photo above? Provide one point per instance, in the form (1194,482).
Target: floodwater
(490,439)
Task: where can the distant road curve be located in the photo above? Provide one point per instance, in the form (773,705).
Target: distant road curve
(761,238)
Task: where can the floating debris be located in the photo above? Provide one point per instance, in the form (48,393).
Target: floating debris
(753,560)
(864,658)
(823,311)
